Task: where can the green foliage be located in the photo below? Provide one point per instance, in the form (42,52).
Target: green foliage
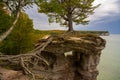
(16,5)
(1,4)
(39,33)
(5,21)
(66,12)
(21,39)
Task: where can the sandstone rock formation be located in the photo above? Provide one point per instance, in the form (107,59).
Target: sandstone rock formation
(6,74)
(69,57)
(73,58)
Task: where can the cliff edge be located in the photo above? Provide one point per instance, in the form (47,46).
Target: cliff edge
(65,57)
(73,57)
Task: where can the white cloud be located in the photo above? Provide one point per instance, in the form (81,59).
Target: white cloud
(107,10)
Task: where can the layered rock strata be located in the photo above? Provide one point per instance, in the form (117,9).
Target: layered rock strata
(74,58)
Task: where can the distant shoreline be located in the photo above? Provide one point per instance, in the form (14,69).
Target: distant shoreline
(101,33)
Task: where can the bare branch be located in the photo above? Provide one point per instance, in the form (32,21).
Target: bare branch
(5,34)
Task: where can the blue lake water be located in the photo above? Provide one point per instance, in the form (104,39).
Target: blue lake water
(109,67)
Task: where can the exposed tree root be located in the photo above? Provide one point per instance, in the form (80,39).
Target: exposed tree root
(26,69)
(32,57)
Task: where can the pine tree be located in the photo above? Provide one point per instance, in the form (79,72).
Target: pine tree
(66,12)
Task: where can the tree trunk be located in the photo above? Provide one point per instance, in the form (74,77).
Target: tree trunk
(70,26)
(5,34)
(70,23)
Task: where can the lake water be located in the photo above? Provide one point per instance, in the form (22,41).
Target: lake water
(109,67)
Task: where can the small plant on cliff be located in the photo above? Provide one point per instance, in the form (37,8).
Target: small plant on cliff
(66,12)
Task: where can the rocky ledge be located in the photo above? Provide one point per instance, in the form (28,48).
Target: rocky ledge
(69,57)
(73,57)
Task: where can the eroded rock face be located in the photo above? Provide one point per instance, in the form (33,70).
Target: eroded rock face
(81,64)
(68,58)
(6,74)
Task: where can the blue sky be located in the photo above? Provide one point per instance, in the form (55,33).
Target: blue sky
(106,17)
